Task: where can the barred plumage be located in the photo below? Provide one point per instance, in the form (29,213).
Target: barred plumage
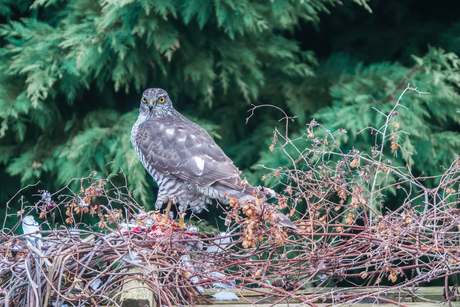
(188,166)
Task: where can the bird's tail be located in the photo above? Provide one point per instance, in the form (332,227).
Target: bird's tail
(251,195)
(284,220)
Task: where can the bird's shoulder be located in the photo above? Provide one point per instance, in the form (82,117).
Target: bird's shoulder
(177,146)
(173,129)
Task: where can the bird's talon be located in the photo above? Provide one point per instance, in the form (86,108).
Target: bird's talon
(181,224)
(164,221)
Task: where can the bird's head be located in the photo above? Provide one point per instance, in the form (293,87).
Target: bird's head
(155,102)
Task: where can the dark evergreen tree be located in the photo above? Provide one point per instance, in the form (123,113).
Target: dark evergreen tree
(71,75)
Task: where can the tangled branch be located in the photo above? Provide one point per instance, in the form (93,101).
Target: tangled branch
(346,233)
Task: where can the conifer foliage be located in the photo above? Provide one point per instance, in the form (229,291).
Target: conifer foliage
(63,69)
(71,75)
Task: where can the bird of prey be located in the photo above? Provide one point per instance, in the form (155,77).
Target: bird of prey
(184,160)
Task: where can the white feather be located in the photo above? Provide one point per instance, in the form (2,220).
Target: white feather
(132,257)
(83,203)
(219,244)
(225,296)
(31,229)
(216,274)
(186,261)
(222,285)
(125,227)
(199,163)
(95,284)
(194,279)
(46,196)
(270,192)
(200,289)
(170,131)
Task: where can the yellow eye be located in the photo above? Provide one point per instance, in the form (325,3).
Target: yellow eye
(161,100)
(144,100)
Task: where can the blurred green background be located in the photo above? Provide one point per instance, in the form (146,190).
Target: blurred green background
(72,74)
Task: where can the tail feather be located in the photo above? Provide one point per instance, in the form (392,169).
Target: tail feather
(246,194)
(285,221)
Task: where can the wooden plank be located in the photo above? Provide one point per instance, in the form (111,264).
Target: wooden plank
(409,304)
(248,296)
(136,293)
(140,298)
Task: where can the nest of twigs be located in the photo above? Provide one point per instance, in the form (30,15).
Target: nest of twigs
(344,235)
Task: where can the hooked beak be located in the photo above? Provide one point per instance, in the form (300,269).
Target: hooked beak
(151,104)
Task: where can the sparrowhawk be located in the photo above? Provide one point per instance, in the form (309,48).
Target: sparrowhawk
(188,166)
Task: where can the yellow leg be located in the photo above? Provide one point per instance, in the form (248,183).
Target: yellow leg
(165,218)
(181,222)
